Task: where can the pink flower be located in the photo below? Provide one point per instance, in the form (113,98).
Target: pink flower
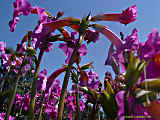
(68,48)
(42,80)
(109,34)
(129,15)
(2,116)
(91,36)
(2,47)
(21,7)
(12,23)
(149,50)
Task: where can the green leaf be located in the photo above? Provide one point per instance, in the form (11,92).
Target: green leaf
(86,66)
(74,77)
(109,105)
(54,38)
(74,21)
(108,87)
(84,24)
(30,51)
(134,70)
(141,95)
(152,84)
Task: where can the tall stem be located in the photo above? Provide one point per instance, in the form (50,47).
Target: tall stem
(34,84)
(12,96)
(126,104)
(93,113)
(77,103)
(4,79)
(41,109)
(65,83)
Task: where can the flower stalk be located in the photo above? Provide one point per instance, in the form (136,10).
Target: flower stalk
(13,95)
(126,104)
(34,84)
(41,110)
(65,82)
(77,102)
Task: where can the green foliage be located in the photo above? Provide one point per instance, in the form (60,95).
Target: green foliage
(134,69)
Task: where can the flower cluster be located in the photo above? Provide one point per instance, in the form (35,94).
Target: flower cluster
(22,101)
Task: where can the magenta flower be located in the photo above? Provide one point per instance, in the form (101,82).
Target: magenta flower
(129,15)
(51,109)
(68,49)
(18,100)
(43,17)
(51,98)
(42,80)
(2,116)
(21,7)
(112,61)
(55,89)
(70,103)
(135,109)
(149,50)
(2,47)
(114,39)
(92,80)
(131,41)
(131,44)
(26,101)
(8,61)
(41,33)
(91,36)
(22,102)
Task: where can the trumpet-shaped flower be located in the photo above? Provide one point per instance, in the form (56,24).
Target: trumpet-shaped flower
(127,16)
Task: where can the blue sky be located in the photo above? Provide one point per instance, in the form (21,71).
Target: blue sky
(148,18)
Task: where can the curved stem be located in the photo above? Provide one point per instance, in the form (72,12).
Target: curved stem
(34,84)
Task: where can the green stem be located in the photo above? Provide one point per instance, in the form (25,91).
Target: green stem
(3,80)
(93,113)
(126,112)
(12,96)
(41,109)
(34,84)
(20,112)
(77,103)
(65,83)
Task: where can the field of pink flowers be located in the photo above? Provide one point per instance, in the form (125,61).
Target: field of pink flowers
(26,93)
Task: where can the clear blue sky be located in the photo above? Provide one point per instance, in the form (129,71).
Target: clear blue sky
(148,18)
